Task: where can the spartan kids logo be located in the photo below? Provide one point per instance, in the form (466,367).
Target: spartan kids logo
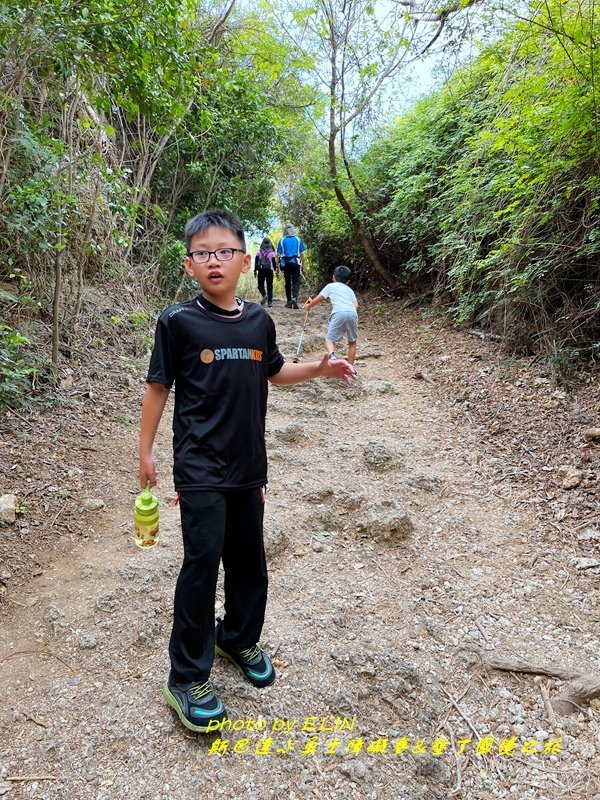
(230,354)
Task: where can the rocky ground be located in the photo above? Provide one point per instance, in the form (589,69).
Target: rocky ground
(436,517)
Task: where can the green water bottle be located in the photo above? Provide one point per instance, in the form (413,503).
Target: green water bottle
(145,519)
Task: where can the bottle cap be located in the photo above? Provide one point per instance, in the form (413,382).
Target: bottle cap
(146,503)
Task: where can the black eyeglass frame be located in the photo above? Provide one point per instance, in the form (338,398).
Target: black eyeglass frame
(210,253)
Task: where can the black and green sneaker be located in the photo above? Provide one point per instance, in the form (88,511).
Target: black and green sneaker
(254,664)
(196,704)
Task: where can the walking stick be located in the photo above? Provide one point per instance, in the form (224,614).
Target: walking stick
(296,358)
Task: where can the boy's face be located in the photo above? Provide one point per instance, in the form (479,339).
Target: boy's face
(218,279)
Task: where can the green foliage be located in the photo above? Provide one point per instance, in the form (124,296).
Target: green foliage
(119,121)
(170,271)
(15,368)
(487,191)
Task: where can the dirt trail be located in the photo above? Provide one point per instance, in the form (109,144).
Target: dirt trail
(393,562)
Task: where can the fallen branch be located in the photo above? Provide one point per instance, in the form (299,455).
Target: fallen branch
(18,653)
(458,786)
(548,707)
(518,665)
(494,337)
(577,693)
(462,714)
(33,719)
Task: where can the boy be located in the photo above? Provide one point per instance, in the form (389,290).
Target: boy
(344,316)
(221,353)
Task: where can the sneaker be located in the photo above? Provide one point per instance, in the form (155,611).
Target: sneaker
(288,304)
(294,304)
(270,303)
(254,664)
(263,300)
(196,704)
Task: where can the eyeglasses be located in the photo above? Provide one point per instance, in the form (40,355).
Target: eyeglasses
(223,254)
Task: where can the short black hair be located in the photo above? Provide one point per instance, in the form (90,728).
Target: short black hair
(342,273)
(215,218)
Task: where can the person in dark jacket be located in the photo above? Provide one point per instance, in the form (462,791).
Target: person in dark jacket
(265,266)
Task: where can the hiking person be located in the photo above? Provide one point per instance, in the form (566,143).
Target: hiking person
(265,264)
(290,252)
(221,354)
(344,311)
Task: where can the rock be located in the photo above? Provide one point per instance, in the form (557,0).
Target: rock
(327,518)
(421,375)
(357,771)
(93,504)
(319,495)
(368,350)
(592,434)
(52,614)
(287,456)
(428,766)
(571,477)
(107,602)
(317,546)
(591,535)
(277,541)
(427,483)
(386,387)
(87,641)
(579,562)
(393,525)
(377,456)
(309,390)
(66,383)
(291,434)
(8,508)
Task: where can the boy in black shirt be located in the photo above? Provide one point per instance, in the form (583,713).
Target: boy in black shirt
(221,353)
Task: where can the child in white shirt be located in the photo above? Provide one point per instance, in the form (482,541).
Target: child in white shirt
(344,315)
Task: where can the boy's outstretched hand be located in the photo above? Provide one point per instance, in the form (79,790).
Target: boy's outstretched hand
(337,368)
(296,372)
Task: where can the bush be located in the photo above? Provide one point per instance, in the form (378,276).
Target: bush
(15,369)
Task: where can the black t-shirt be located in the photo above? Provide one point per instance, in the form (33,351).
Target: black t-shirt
(220,367)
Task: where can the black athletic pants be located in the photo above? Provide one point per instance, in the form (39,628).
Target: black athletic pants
(266,276)
(215,525)
(292,281)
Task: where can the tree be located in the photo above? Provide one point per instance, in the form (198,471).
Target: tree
(360,47)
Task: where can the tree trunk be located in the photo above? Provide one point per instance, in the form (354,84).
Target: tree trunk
(383,273)
(56,313)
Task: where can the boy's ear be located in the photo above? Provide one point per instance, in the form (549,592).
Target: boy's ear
(247,263)
(188,266)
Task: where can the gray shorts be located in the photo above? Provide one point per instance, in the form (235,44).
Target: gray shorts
(340,323)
